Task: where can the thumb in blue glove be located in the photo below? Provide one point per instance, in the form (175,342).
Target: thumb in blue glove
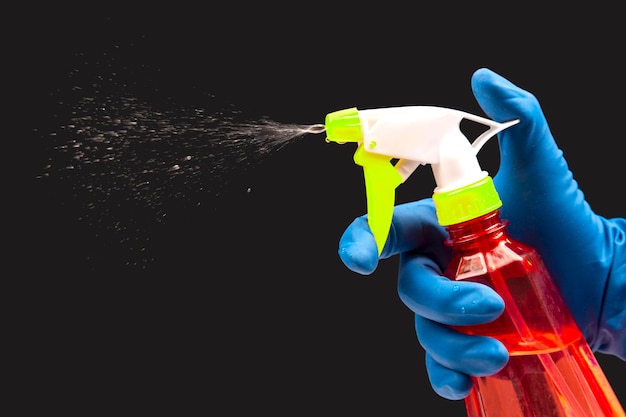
(584,251)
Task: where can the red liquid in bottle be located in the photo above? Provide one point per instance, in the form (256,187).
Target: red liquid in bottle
(552,371)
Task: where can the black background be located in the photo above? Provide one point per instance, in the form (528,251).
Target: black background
(246,305)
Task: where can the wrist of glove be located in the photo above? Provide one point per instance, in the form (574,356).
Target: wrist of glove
(608,336)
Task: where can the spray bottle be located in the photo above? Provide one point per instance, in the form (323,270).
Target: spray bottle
(552,371)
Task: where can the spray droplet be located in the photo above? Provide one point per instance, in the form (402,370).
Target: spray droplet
(152,159)
(462,310)
(456,288)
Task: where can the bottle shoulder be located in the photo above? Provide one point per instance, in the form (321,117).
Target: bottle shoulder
(484,258)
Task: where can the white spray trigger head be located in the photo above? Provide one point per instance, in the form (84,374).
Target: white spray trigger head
(428,135)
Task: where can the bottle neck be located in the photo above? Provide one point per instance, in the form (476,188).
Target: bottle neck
(488,228)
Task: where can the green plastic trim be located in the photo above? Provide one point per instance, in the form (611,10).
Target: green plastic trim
(466,203)
(344,126)
(381,181)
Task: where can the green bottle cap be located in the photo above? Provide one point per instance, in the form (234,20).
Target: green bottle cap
(466,203)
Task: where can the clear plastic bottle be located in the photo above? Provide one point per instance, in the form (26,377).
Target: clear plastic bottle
(552,371)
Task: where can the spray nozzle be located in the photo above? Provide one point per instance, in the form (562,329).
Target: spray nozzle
(344,126)
(413,136)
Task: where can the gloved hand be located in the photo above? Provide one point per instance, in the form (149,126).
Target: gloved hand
(585,252)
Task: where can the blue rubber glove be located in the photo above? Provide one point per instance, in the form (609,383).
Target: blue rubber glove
(585,252)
